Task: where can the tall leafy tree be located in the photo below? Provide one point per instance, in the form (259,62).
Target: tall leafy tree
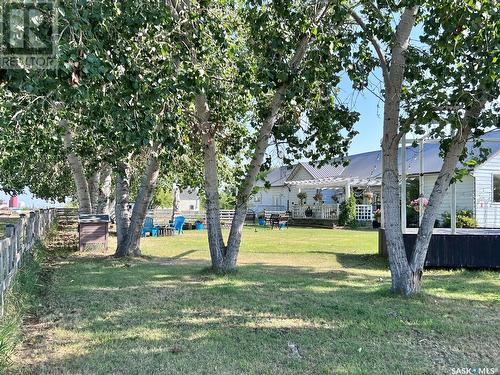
(257,70)
(444,82)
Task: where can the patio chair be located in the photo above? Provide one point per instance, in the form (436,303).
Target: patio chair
(283,221)
(149,227)
(274,220)
(178,224)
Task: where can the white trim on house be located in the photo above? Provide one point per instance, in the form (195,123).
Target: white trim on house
(487,211)
(337,182)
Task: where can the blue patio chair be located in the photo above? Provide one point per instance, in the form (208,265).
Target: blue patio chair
(178,224)
(149,227)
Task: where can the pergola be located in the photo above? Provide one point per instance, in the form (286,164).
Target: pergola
(345,182)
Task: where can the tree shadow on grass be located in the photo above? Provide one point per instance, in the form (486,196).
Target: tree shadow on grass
(178,319)
(363,261)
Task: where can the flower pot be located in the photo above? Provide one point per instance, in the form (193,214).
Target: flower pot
(199,226)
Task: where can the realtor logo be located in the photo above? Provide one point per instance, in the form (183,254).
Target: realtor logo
(28,34)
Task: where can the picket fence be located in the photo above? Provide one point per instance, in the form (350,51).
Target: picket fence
(20,238)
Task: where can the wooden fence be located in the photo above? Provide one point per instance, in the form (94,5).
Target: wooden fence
(19,241)
(163,215)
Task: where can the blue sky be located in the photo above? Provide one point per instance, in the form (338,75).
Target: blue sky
(370,123)
(30,201)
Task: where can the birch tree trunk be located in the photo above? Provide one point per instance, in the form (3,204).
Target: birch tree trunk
(402,280)
(78,172)
(245,190)
(214,229)
(131,244)
(104,200)
(93,184)
(122,199)
(224,258)
(234,240)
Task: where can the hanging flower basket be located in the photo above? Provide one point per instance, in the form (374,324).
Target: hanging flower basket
(368,195)
(318,197)
(302,197)
(416,203)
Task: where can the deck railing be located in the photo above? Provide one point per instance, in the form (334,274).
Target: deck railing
(319,211)
(364,212)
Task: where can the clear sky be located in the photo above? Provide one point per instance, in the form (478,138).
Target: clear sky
(30,201)
(370,124)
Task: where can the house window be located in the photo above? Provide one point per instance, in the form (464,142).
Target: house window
(496,188)
(276,200)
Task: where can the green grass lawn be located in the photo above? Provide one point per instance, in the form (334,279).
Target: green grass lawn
(304,301)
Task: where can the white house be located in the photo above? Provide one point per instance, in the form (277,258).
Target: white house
(487,192)
(189,200)
(478,192)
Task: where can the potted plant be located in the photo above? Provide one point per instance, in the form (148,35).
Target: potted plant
(262,218)
(199,223)
(302,197)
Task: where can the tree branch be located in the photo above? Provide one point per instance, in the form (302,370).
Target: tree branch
(374,41)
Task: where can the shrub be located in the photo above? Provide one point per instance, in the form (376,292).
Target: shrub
(465,219)
(347,215)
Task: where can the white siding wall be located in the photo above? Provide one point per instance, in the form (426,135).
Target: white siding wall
(487,211)
(464,191)
(267,198)
(189,205)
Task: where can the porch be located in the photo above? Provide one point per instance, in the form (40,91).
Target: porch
(336,190)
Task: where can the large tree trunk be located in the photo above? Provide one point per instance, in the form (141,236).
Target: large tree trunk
(78,172)
(234,240)
(403,281)
(224,258)
(245,190)
(122,214)
(93,184)
(398,261)
(214,229)
(131,244)
(104,200)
